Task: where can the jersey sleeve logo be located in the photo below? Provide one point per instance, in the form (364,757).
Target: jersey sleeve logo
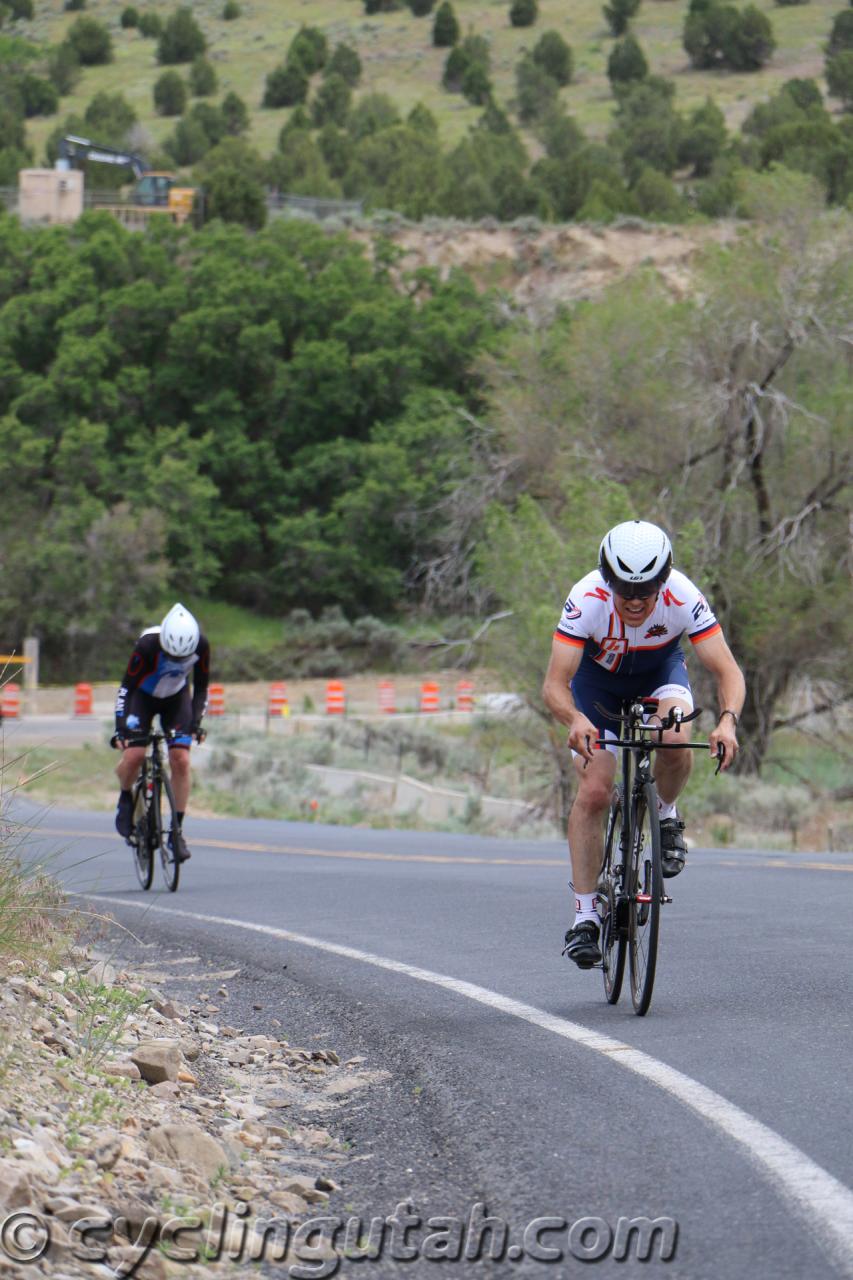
(570,611)
(700,607)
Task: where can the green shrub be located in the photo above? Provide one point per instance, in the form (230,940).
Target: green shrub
(523,13)
(382,6)
(170,94)
(203,81)
(39,96)
(841,35)
(150,25)
(285,86)
(230,11)
(618,14)
(309,50)
(345,62)
(445,28)
(627,62)
(74,6)
(536,90)
(553,55)
(182,39)
(91,41)
(420,8)
(235,114)
(476,85)
(720,35)
(129,18)
(839,77)
(63,67)
(332,102)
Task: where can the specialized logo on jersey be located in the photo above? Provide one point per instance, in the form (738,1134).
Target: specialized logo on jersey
(657,630)
(571,611)
(600,593)
(670,599)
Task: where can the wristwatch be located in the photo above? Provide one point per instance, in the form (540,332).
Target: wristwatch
(727,712)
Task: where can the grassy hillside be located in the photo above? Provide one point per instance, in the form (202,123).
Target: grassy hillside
(398,57)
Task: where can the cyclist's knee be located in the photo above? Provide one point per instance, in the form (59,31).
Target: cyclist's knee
(179,761)
(594,794)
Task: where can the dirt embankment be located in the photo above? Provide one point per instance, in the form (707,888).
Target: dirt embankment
(544,266)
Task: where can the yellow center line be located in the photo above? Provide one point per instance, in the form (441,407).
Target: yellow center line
(301,851)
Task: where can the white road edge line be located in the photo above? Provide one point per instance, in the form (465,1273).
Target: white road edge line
(824,1203)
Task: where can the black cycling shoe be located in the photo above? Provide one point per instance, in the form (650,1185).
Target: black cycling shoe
(179,847)
(673,850)
(124,815)
(582,944)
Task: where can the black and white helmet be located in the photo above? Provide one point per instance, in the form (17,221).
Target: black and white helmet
(635,558)
(179,632)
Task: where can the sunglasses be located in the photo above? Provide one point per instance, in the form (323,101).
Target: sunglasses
(636,590)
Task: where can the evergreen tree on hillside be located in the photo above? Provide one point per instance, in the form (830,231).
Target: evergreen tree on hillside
(618,13)
(182,39)
(523,13)
(203,81)
(286,86)
(627,62)
(553,55)
(170,94)
(445,28)
(345,62)
(309,48)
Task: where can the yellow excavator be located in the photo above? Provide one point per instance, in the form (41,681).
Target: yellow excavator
(153,194)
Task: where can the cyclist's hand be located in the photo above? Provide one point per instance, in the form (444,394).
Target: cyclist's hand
(582,736)
(117,742)
(724,736)
(198,733)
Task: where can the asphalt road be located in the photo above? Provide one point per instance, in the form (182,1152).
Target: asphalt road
(726,1109)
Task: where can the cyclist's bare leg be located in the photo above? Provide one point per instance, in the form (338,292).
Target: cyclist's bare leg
(586,820)
(672,768)
(179,766)
(129,765)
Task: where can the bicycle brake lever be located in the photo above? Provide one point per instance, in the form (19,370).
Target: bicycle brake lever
(721,755)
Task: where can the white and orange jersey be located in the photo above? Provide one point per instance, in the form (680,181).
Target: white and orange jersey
(590,621)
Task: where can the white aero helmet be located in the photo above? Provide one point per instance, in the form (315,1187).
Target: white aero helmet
(179,632)
(635,558)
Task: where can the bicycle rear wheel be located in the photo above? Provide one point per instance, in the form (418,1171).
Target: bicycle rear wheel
(143,859)
(167,821)
(645,891)
(610,894)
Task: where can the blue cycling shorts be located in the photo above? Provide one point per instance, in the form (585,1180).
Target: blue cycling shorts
(668,680)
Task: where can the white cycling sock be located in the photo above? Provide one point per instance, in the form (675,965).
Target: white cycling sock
(666,810)
(585,907)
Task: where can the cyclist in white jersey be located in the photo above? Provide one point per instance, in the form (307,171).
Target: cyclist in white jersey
(619,637)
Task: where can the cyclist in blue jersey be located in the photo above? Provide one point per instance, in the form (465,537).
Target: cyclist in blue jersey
(619,637)
(156,683)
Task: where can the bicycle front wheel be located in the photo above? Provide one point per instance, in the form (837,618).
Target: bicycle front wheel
(645,891)
(142,856)
(610,905)
(167,822)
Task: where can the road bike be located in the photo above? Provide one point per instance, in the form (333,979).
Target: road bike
(630,887)
(154,800)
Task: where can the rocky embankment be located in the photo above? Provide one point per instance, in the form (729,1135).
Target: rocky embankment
(146,1136)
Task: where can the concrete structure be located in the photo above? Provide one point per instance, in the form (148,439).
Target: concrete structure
(50,195)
